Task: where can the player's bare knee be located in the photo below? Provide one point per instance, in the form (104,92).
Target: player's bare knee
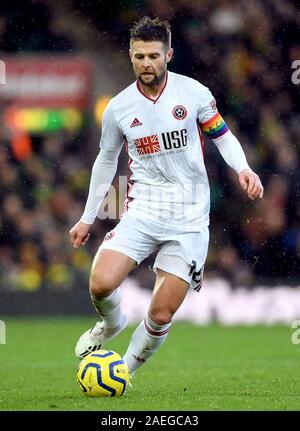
(100,285)
(160,317)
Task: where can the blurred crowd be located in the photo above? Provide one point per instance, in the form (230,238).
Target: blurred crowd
(243,51)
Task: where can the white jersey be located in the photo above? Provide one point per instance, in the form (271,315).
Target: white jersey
(164,140)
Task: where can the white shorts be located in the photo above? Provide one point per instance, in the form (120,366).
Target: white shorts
(181,254)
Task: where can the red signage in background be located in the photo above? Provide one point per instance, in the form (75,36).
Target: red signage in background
(55,82)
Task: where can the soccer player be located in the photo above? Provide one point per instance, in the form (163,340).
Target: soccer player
(161,118)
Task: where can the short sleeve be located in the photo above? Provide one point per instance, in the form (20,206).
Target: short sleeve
(111,137)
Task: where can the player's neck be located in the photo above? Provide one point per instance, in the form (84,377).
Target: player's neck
(155,91)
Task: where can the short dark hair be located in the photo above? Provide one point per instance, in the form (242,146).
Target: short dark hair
(150,30)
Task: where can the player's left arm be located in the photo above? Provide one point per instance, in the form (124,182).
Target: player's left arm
(231,150)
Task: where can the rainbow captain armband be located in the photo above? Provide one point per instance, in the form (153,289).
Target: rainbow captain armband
(214,127)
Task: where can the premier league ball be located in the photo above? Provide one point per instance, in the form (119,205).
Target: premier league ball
(103,373)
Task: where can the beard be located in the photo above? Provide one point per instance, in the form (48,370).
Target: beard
(155,81)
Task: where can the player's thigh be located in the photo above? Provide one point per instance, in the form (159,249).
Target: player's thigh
(168,294)
(109,269)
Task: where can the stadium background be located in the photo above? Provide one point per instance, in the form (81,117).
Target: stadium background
(64,59)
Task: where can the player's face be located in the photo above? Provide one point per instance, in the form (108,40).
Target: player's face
(149,61)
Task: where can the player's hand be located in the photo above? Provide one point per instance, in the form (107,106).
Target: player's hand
(79,234)
(251,183)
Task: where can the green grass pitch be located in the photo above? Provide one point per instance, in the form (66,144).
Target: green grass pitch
(198,368)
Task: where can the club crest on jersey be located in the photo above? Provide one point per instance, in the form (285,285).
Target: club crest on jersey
(109,235)
(179,112)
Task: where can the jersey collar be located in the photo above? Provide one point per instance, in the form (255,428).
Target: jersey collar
(149,98)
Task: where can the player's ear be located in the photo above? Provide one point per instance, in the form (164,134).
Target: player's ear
(130,54)
(170,53)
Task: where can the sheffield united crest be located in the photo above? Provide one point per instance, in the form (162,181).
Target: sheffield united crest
(179,112)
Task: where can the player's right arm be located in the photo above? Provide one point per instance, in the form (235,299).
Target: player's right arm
(103,172)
